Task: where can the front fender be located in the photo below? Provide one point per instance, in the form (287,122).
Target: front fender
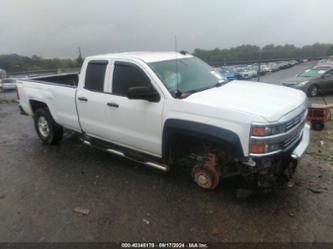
(228,139)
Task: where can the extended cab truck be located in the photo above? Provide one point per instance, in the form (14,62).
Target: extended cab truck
(166,109)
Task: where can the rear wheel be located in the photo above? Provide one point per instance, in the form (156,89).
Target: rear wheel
(47,129)
(313,91)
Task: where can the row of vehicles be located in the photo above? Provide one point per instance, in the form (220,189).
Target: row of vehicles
(314,81)
(250,71)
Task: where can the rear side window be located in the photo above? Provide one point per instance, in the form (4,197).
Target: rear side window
(95,76)
(125,76)
(330,73)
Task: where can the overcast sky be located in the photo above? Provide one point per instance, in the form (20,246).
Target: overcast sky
(55,28)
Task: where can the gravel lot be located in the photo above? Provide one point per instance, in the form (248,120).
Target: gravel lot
(40,187)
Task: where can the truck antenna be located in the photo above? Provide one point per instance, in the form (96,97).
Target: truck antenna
(176,50)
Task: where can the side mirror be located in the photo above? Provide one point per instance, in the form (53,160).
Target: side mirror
(326,76)
(144,93)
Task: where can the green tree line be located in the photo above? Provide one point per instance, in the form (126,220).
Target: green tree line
(16,63)
(251,52)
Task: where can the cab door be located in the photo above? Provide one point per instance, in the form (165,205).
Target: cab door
(91,100)
(135,123)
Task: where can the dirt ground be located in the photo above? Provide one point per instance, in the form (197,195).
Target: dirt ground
(41,186)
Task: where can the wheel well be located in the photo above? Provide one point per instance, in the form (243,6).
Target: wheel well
(35,105)
(183,134)
(182,145)
(316,85)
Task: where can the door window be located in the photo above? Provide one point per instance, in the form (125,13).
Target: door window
(95,76)
(329,74)
(127,75)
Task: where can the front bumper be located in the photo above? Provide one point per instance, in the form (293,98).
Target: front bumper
(301,148)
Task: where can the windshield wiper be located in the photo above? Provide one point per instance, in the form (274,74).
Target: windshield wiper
(218,84)
(179,94)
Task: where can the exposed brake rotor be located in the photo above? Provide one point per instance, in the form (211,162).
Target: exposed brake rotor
(207,174)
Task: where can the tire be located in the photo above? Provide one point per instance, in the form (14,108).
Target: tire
(313,91)
(47,129)
(317,125)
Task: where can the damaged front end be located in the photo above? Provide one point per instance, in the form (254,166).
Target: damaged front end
(268,168)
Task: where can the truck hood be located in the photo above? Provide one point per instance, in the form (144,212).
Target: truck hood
(270,102)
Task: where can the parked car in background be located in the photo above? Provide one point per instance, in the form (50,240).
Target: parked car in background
(328,66)
(3,74)
(8,84)
(292,63)
(253,71)
(244,73)
(318,80)
(265,68)
(273,66)
(228,74)
(327,61)
(283,65)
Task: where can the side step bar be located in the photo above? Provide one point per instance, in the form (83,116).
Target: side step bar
(155,165)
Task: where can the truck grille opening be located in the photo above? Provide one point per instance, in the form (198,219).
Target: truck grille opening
(295,121)
(288,142)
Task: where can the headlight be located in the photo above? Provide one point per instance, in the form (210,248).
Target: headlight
(303,83)
(261,148)
(269,130)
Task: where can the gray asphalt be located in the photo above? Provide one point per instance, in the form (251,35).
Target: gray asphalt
(280,76)
(40,186)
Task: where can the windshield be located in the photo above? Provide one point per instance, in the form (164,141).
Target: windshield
(186,75)
(312,73)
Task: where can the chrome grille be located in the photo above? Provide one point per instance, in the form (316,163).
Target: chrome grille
(290,134)
(290,141)
(295,121)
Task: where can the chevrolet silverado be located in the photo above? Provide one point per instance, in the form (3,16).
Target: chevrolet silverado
(166,109)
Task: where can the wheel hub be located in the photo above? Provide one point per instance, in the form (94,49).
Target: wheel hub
(43,126)
(314,91)
(207,175)
(203,179)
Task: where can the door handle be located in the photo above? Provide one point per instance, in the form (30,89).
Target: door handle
(115,105)
(84,99)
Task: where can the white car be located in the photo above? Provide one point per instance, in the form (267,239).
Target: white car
(274,67)
(265,68)
(8,84)
(168,109)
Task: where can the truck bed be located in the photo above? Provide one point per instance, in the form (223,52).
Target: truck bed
(57,92)
(62,79)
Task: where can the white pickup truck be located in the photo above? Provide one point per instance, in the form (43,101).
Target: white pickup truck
(167,109)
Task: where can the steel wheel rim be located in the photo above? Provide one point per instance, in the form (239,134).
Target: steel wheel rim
(43,126)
